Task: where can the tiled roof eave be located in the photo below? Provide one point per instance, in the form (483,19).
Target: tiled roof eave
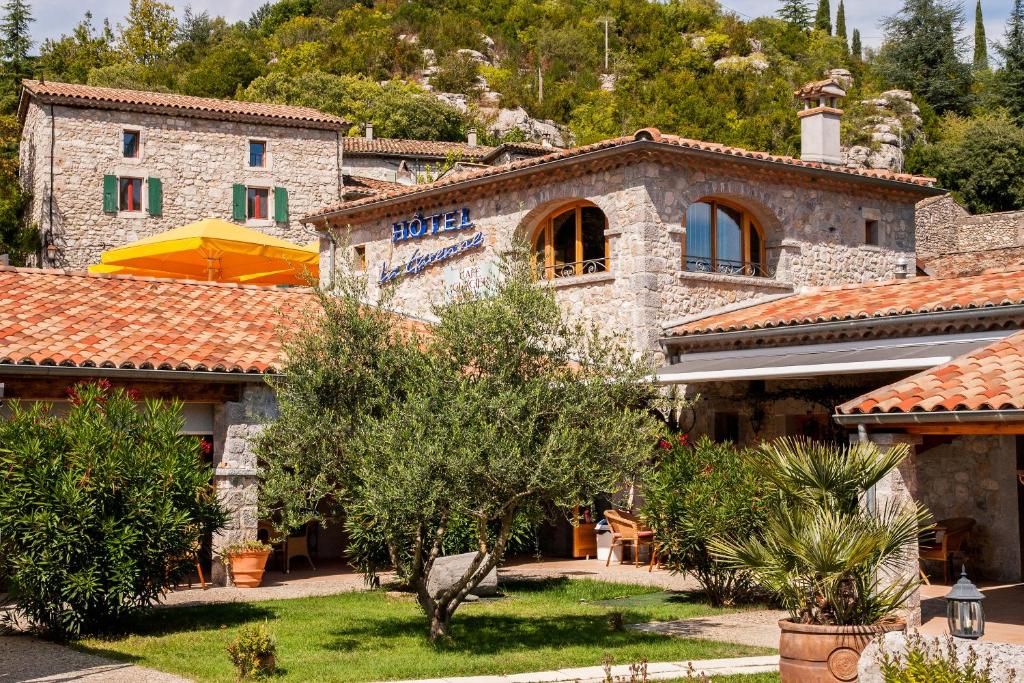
(161,372)
(919,186)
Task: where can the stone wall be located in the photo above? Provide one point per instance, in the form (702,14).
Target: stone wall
(814,232)
(991,231)
(945,227)
(1005,659)
(197,161)
(976,476)
(236,425)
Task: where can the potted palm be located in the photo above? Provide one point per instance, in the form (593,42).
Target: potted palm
(842,570)
(247,560)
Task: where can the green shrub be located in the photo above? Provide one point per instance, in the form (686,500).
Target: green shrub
(698,492)
(931,660)
(100,510)
(253,652)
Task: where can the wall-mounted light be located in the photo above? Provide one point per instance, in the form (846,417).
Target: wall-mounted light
(902,268)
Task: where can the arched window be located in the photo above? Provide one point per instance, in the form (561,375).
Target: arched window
(571,242)
(722,238)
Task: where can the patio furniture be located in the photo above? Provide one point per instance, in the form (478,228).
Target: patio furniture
(627,528)
(298,546)
(193,555)
(945,541)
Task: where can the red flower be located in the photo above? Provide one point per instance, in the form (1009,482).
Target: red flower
(708,469)
(684,439)
(664,444)
(205,446)
(133,394)
(103,384)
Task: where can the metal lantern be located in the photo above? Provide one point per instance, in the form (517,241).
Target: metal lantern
(963,609)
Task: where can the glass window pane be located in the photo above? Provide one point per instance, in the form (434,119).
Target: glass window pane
(564,243)
(698,237)
(592,225)
(131,144)
(757,267)
(729,239)
(257,153)
(257,200)
(130,194)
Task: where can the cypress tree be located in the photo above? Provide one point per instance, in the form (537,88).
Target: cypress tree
(796,13)
(15,38)
(841,23)
(855,48)
(1011,85)
(980,44)
(823,18)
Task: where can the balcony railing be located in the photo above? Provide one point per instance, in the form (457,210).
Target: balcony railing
(588,267)
(697,264)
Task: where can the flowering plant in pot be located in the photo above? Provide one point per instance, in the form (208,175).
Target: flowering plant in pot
(843,571)
(247,560)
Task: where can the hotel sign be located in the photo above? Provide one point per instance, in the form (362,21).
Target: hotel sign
(420,226)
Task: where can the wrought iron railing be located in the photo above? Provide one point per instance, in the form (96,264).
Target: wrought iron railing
(587,267)
(698,264)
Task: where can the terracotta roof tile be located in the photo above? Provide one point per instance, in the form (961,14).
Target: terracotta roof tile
(972,262)
(652,134)
(204,107)
(989,378)
(360,146)
(870,300)
(50,317)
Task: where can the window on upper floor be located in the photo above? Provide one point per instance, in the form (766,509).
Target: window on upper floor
(130,143)
(359,257)
(572,242)
(129,194)
(257,204)
(257,153)
(723,238)
(871,232)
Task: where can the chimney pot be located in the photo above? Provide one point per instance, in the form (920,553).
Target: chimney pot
(471,137)
(819,122)
(369,131)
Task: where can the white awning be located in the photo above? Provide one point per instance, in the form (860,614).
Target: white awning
(815,360)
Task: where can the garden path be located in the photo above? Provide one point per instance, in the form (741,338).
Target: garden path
(30,660)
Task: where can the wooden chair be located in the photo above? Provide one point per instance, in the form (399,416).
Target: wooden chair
(298,546)
(193,555)
(945,541)
(626,528)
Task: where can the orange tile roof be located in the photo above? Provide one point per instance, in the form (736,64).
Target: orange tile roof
(360,146)
(972,262)
(653,135)
(203,107)
(869,300)
(50,317)
(990,378)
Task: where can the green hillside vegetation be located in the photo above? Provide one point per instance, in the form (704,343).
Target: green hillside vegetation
(688,67)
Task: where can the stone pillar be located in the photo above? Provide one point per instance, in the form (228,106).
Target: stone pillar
(899,487)
(236,424)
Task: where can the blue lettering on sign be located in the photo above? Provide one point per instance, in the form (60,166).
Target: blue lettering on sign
(417,262)
(421,226)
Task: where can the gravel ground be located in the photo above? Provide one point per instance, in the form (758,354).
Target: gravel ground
(757,627)
(596,569)
(24,658)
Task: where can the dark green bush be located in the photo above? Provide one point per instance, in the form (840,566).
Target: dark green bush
(100,510)
(700,491)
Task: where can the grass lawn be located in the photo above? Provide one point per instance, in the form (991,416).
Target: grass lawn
(372,636)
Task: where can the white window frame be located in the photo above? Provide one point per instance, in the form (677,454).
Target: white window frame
(257,184)
(144,194)
(142,144)
(268,159)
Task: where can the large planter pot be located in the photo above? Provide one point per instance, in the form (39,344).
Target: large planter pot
(809,653)
(247,567)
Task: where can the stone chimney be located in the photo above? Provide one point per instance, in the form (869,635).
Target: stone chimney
(819,121)
(369,131)
(471,137)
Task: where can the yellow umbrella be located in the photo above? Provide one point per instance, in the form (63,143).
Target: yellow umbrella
(214,249)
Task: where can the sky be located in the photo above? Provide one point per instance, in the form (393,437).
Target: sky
(55,17)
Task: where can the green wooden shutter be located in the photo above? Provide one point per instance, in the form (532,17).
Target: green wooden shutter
(280,205)
(156,197)
(238,195)
(110,194)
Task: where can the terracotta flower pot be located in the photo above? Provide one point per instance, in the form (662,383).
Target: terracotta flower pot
(247,567)
(809,653)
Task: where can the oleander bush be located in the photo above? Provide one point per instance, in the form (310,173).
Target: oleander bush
(101,509)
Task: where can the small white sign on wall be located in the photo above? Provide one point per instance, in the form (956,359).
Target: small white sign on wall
(476,278)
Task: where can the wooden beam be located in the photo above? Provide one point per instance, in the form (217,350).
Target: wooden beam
(965,428)
(55,389)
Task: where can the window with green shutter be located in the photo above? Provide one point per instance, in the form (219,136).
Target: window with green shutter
(110,194)
(238,202)
(156,197)
(280,205)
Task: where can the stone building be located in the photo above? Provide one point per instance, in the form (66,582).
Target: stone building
(106,167)
(952,241)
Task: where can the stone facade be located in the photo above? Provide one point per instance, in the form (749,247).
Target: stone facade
(943,227)
(976,476)
(236,425)
(814,232)
(1004,659)
(197,160)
